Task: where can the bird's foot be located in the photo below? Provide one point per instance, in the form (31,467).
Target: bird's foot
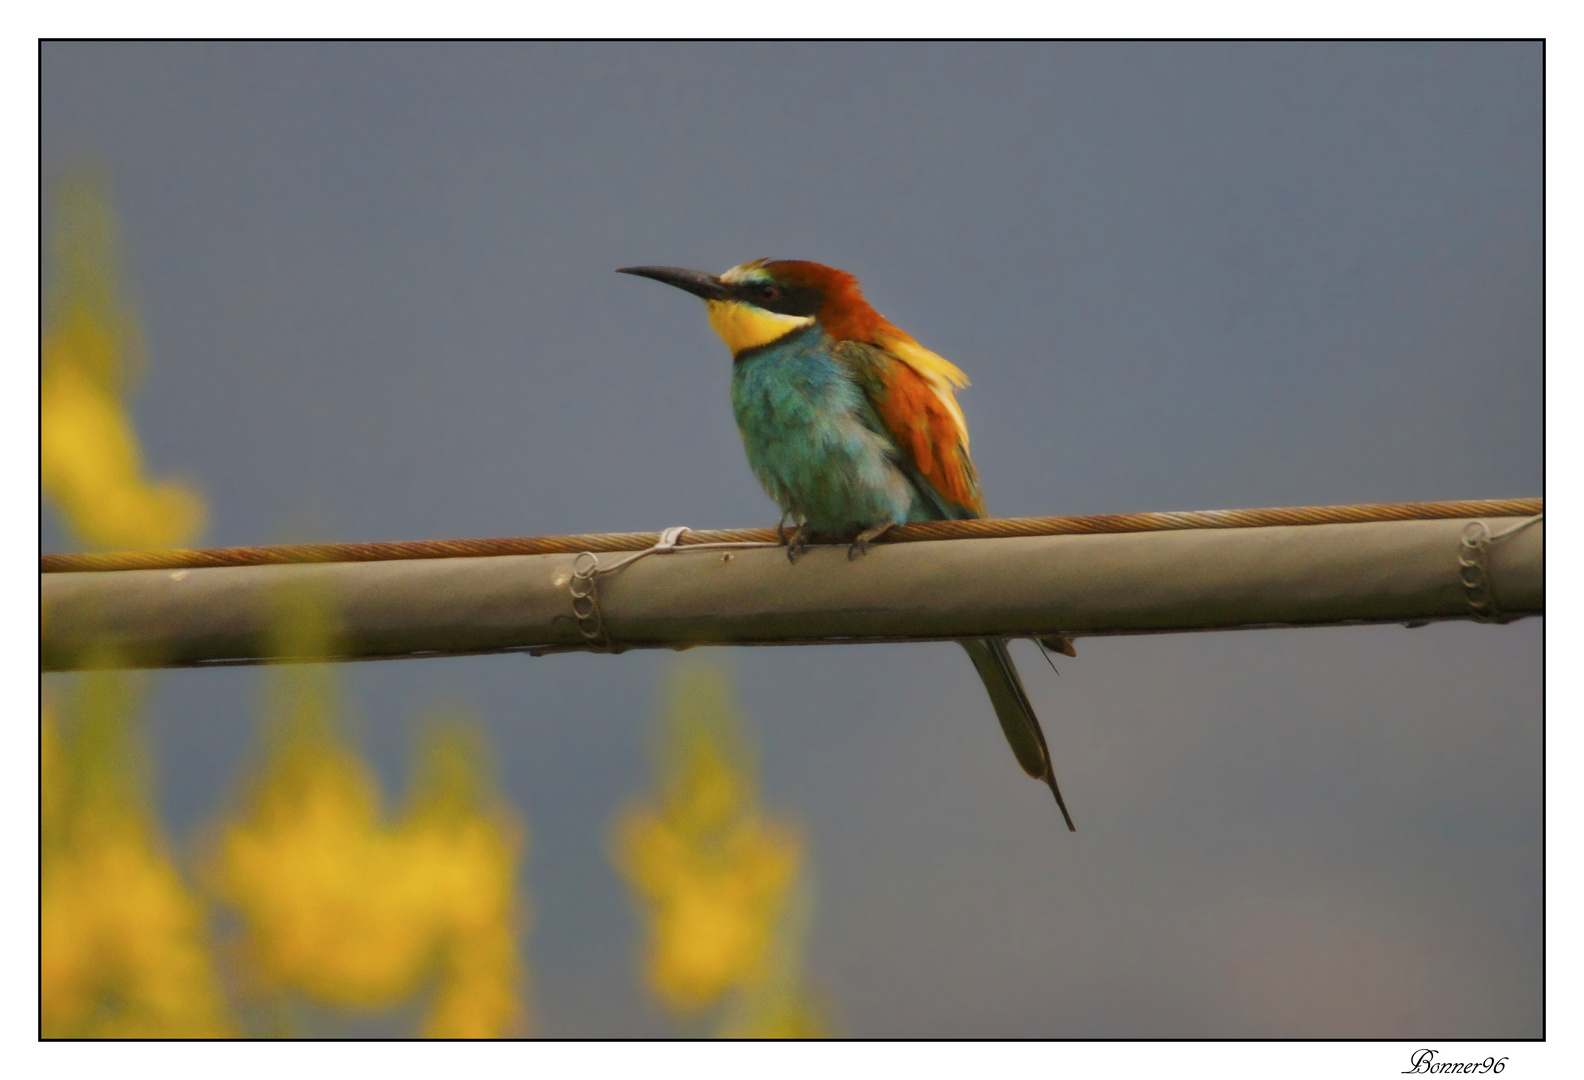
(860,546)
(796,544)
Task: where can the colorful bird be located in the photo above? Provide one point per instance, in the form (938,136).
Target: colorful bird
(852,428)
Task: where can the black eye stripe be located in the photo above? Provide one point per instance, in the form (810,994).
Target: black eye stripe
(787,299)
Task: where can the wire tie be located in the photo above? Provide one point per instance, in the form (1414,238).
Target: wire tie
(584,583)
(1474,568)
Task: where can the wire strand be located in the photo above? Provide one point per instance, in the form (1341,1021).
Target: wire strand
(977,528)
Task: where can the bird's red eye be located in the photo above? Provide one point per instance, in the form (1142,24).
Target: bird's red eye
(768,292)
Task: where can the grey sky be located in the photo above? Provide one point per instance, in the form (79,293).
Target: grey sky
(376,283)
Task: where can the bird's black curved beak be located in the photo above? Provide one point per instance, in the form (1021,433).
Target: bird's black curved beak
(704,286)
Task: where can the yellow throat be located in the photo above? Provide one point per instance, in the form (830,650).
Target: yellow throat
(743,326)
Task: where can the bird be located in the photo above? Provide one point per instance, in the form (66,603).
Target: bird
(853,428)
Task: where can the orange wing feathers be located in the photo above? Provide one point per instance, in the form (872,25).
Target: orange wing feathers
(929,433)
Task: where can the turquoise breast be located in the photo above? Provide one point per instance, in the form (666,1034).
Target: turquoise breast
(814,441)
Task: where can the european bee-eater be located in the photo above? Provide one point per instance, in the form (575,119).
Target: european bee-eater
(852,428)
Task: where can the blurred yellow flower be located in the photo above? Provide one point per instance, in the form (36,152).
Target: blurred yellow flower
(781,1006)
(89,461)
(713,876)
(347,910)
(336,905)
(121,945)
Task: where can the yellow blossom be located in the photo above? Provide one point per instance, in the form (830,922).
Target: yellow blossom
(337,905)
(344,908)
(90,465)
(713,875)
(121,945)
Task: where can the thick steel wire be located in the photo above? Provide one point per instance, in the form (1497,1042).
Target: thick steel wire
(980,528)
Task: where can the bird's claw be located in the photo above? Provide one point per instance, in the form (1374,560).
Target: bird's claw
(860,546)
(795,544)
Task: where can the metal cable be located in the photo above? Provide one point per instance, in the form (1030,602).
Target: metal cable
(979,528)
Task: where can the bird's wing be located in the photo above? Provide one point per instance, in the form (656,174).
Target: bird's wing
(910,390)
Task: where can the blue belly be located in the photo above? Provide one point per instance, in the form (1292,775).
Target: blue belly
(815,443)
